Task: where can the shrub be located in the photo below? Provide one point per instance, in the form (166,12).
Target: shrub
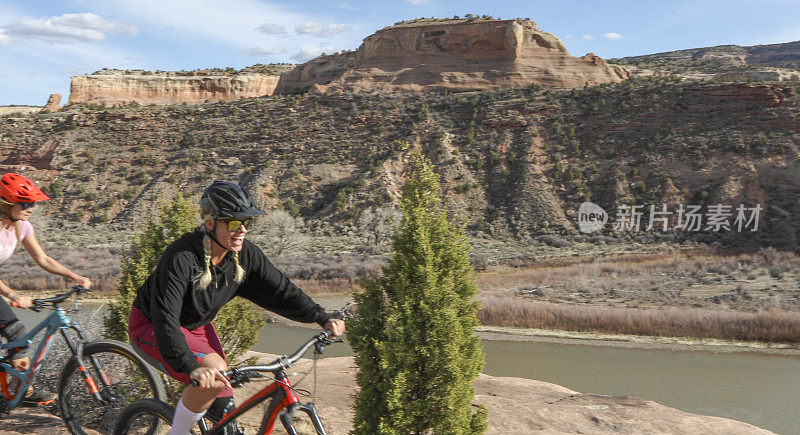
(415,336)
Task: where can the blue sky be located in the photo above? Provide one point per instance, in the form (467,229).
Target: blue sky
(43,43)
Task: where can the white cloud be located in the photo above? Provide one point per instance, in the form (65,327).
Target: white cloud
(81,27)
(319,29)
(271,29)
(587,37)
(4,39)
(262,51)
(568,37)
(234,23)
(310,52)
(612,36)
(417,2)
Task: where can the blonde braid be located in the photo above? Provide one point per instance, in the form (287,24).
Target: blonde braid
(240,272)
(205,278)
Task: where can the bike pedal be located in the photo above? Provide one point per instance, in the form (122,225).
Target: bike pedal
(44,399)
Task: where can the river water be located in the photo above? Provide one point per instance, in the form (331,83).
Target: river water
(762,390)
(758,389)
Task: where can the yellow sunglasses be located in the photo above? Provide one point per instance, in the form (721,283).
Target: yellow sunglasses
(235,224)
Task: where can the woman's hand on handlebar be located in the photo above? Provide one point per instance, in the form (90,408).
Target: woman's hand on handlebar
(20,301)
(82,281)
(209,377)
(336,326)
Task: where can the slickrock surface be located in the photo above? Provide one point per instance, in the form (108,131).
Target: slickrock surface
(516,406)
(436,55)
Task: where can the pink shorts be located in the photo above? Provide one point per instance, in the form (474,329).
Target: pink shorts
(202,341)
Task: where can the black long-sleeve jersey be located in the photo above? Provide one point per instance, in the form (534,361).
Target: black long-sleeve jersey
(170,297)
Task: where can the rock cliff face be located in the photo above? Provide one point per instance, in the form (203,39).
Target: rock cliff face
(114,89)
(454,55)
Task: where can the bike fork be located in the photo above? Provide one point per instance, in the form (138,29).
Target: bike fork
(308,408)
(77,351)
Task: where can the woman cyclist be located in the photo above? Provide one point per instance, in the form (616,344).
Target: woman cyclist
(170,320)
(18,199)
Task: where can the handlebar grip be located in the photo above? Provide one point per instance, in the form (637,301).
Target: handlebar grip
(227,374)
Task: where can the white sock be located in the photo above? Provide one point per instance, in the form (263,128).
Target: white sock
(184,419)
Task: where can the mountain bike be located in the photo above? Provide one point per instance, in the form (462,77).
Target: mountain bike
(148,416)
(95,384)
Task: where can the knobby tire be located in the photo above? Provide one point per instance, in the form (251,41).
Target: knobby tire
(131,378)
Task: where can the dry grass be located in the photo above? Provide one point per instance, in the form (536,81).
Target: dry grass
(766,326)
(102,265)
(334,285)
(744,282)
(314,273)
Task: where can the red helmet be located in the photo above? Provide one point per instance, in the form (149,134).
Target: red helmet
(15,188)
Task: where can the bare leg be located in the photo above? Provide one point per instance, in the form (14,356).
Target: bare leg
(195,401)
(198,399)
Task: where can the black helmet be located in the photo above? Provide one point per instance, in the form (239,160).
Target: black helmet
(223,199)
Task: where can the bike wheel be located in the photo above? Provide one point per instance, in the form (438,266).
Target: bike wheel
(120,377)
(145,417)
(148,417)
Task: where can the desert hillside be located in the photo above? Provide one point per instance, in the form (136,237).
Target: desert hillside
(514,164)
(771,62)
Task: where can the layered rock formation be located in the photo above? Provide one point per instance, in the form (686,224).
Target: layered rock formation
(115,88)
(455,55)
(424,55)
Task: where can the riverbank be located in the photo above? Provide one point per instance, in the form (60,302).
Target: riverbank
(700,293)
(635,341)
(332,301)
(628,341)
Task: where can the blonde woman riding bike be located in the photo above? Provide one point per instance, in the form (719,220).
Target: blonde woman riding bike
(170,321)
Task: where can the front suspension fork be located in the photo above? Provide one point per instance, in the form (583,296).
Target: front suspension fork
(77,351)
(308,408)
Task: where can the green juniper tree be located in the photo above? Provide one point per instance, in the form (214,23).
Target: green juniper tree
(415,337)
(237,323)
